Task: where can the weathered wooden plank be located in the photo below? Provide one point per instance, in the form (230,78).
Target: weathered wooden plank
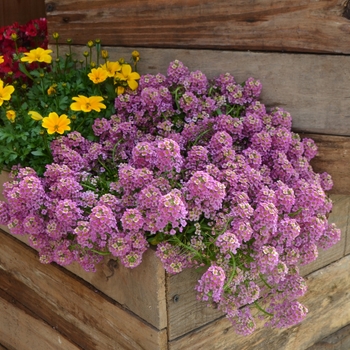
(140,290)
(185,312)
(313,88)
(333,157)
(22,330)
(298,26)
(328,301)
(20,11)
(339,340)
(55,294)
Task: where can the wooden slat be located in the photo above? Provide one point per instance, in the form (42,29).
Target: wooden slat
(185,312)
(140,290)
(339,340)
(313,88)
(67,303)
(333,157)
(328,301)
(20,11)
(298,26)
(20,330)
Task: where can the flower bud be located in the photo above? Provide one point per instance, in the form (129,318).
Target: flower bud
(104,54)
(90,43)
(55,35)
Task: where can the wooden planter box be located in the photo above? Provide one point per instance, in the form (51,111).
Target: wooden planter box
(49,307)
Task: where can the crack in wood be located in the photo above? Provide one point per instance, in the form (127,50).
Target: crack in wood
(346,12)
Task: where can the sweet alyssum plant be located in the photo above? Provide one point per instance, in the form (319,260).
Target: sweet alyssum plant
(200,170)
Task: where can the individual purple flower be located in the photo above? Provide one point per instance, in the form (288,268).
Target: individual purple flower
(119,245)
(228,243)
(330,236)
(176,72)
(252,89)
(132,220)
(168,156)
(310,148)
(211,284)
(267,258)
(171,210)
(280,117)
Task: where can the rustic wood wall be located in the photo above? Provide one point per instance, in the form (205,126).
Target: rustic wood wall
(264,25)
(20,11)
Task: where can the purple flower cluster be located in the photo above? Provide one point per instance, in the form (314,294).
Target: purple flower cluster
(200,169)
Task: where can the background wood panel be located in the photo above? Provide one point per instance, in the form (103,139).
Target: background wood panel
(315,89)
(268,25)
(20,11)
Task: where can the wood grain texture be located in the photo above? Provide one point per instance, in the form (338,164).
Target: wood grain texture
(268,25)
(315,89)
(339,340)
(83,314)
(20,11)
(21,330)
(328,301)
(185,312)
(333,157)
(140,290)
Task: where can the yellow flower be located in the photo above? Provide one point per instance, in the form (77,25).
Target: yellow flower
(87,104)
(135,56)
(51,90)
(11,115)
(98,75)
(55,35)
(104,54)
(54,123)
(120,90)
(37,55)
(35,115)
(2,59)
(5,92)
(130,77)
(111,68)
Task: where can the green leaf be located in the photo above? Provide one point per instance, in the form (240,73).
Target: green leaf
(37,153)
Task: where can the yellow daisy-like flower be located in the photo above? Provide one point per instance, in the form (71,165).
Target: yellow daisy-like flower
(98,75)
(35,115)
(37,55)
(5,92)
(129,76)
(11,115)
(87,104)
(52,90)
(111,68)
(2,59)
(54,123)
